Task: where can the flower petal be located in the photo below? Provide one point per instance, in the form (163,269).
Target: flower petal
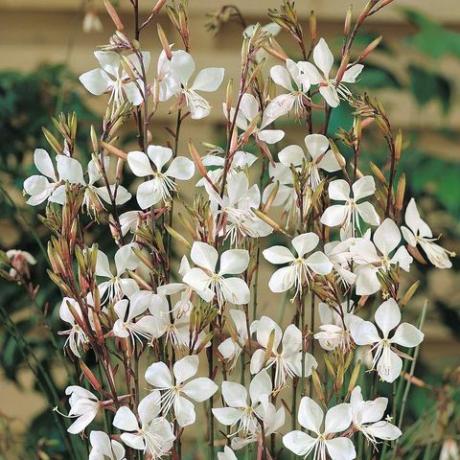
(125,419)
(323,57)
(182,65)
(340,449)
(43,162)
(278,255)
(159,375)
(310,415)
(184,411)
(282,280)
(305,243)
(364,333)
(181,168)
(363,187)
(330,95)
(204,255)
(317,145)
(185,368)
(407,335)
(387,236)
(95,81)
(352,73)
(235,290)
(234,394)
(260,386)
(139,164)
(388,316)
(281,77)
(234,262)
(159,155)
(208,79)
(299,442)
(319,263)
(339,190)
(200,389)
(338,418)
(291,155)
(148,194)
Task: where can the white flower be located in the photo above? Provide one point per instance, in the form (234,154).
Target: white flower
(111,78)
(208,282)
(338,253)
(77,338)
(371,262)
(182,66)
(291,78)
(338,419)
(83,406)
(40,187)
(240,412)
(268,30)
(387,318)
(231,348)
(19,261)
(153,435)
(128,324)
(367,418)
(117,287)
(248,111)
(288,362)
(347,215)
(271,419)
(238,204)
(319,156)
(103,448)
(418,232)
(241,161)
(301,269)
(177,385)
(162,185)
(168,83)
(227,454)
(329,88)
(449,450)
(335,326)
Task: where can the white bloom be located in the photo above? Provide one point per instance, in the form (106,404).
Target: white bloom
(19,261)
(378,256)
(347,214)
(338,253)
(168,83)
(83,406)
(128,323)
(162,185)
(329,88)
(240,412)
(231,348)
(182,66)
(319,156)
(237,204)
(292,78)
(268,30)
(288,362)
(116,287)
(418,232)
(335,326)
(449,450)
(272,420)
(111,78)
(178,385)
(103,448)
(367,418)
(248,111)
(154,435)
(338,419)
(46,186)
(76,336)
(387,318)
(208,282)
(300,269)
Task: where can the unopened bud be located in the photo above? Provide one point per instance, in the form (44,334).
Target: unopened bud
(113,15)
(164,41)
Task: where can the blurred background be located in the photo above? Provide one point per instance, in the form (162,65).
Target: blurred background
(46,44)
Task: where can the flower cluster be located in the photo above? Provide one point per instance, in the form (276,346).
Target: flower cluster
(182,287)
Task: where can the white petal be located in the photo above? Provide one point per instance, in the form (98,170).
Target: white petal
(279,106)
(323,57)
(265,326)
(319,263)
(299,442)
(338,418)
(182,65)
(135,441)
(271,136)
(339,190)
(95,81)
(43,162)
(200,389)
(81,423)
(305,243)
(363,187)
(330,95)
(388,316)
(132,92)
(368,213)
(148,194)
(159,155)
(384,430)
(159,375)
(184,411)
(227,415)
(181,168)
(260,386)
(185,368)
(278,255)
(235,394)
(335,215)
(329,162)
(341,449)
(199,281)
(139,164)
(282,280)
(281,77)
(102,265)
(387,236)
(235,290)
(352,73)
(407,335)
(291,155)
(125,419)
(209,79)
(204,255)
(70,170)
(310,415)
(249,106)
(367,281)
(389,366)
(257,361)
(317,145)
(311,72)
(364,333)
(149,407)
(234,262)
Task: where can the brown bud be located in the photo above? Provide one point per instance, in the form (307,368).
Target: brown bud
(113,15)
